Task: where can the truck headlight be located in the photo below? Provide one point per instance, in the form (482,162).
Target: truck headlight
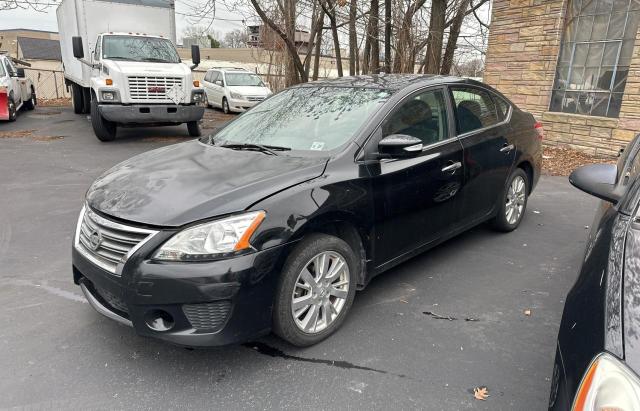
(237,96)
(608,384)
(211,240)
(109,96)
(197,97)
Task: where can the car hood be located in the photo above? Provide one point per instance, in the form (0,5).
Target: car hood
(147,68)
(250,90)
(187,182)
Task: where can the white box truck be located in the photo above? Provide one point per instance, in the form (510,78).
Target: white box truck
(131,73)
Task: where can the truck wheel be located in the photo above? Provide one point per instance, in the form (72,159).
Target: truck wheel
(194,129)
(32,102)
(76,98)
(105,130)
(12,108)
(86,100)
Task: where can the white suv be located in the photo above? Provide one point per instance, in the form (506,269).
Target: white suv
(233,89)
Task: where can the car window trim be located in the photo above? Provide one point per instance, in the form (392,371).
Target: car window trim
(483,129)
(377,131)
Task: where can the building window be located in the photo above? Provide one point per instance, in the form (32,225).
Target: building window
(595,54)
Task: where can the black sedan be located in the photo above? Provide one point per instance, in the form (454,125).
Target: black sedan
(598,354)
(276,220)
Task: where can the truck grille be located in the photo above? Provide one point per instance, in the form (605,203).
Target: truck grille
(107,243)
(145,88)
(208,316)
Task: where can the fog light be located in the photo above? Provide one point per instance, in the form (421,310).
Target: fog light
(108,95)
(159,320)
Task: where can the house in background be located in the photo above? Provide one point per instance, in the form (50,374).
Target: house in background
(575,64)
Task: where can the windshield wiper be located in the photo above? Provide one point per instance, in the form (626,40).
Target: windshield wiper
(156,60)
(259,147)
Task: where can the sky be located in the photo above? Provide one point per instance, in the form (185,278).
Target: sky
(31,19)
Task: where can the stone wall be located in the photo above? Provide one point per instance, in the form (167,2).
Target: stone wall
(524,43)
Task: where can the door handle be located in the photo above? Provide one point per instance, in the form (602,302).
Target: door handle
(452,167)
(507,148)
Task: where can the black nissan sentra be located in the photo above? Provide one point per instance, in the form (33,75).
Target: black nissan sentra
(274,222)
(597,363)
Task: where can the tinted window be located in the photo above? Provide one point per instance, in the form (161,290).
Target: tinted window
(502,106)
(306,118)
(474,109)
(423,116)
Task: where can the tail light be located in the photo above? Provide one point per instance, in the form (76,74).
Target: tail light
(539,129)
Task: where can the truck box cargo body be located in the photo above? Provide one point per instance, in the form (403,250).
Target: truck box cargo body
(122,66)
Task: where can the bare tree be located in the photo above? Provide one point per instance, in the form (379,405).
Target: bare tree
(235,39)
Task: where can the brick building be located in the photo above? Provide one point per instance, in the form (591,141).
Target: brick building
(575,64)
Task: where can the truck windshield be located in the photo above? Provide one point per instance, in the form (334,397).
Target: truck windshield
(304,118)
(138,48)
(243,79)
(1,69)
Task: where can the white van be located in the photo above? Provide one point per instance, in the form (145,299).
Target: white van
(233,89)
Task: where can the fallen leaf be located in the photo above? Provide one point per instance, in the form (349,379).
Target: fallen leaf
(481,393)
(404,301)
(527,312)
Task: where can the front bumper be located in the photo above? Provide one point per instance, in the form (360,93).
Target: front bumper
(241,105)
(151,113)
(4,104)
(209,303)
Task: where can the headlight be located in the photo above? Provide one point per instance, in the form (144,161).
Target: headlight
(197,97)
(608,384)
(211,240)
(237,96)
(108,95)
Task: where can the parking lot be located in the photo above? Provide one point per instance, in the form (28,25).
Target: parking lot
(421,336)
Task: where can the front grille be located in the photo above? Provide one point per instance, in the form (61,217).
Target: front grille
(255,98)
(107,243)
(113,300)
(146,88)
(208,316)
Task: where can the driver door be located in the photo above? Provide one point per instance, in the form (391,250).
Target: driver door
(416,198)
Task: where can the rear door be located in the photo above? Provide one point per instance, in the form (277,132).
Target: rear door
(416,199)
(489,150)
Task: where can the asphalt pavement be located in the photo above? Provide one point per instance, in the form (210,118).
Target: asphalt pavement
(420,336)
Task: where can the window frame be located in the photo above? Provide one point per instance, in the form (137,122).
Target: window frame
(492,96)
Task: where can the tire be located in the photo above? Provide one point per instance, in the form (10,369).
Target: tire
(13,112)
(32,102)
(194,128)
(86,100)
(225,106)
(206,101)
(105,130)
(302,257)
(516,193)
(76,98)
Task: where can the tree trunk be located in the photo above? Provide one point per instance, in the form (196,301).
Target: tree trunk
(374,19)
(454,33)
(316,57)
(387,36)
(435,37)
(353,39)
(336,42)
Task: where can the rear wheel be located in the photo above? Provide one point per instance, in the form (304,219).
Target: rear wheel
(225,106)
(104,129)
(316,290)
(194,128)
(32,102)
(513,202)
(76,98)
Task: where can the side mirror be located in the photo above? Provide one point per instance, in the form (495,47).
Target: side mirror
(400,145)
(78,49)
(195,54)
(599,180)
(220,83)
(20,72)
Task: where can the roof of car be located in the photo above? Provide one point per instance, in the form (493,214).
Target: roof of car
(392,82)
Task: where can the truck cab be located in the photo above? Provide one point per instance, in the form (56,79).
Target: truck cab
(139,79)
(16,91)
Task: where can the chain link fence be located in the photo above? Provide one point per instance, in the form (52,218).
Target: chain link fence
(49,84)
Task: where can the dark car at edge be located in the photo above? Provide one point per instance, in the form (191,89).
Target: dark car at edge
(273,222)
(597,358)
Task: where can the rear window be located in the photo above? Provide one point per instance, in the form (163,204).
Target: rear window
(474,109)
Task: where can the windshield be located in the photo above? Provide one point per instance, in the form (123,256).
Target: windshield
(1,69)
(305,118)
(136,48)
(243,79)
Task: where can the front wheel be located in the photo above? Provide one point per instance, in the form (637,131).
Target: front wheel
(225,106)
(13,113)
(194,128)
(104,129)
(513,202)
(315,291)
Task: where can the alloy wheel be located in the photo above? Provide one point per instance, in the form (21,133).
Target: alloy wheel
(320,292)
(516,198)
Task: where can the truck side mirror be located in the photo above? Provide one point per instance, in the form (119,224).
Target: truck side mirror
(195,54)
(20,72)
(78,50)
